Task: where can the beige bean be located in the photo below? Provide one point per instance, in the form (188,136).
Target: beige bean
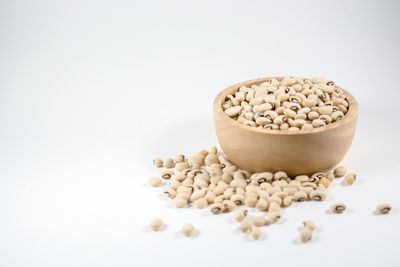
(169,163)
(340,171)
(244,226)
(188,229)
(305,235)
(383,208)
(255,232)
(350,178)
(309,224)
(155,182)
(259,221)
(156,224)
(158,162)
(337,208)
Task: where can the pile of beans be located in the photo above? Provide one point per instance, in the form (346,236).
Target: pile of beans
(209,179)
(290,104)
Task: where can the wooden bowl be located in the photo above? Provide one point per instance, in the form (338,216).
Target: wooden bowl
(303,152)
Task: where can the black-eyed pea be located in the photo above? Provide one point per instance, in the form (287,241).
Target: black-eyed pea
(290,190)
(184,189)
(188,229)
(318,195)
(244,226)
(289,113)
(274,207)
(297,182)
(287,201)
(309,224)
(167,174)
(325,110)
(238,183)
(325,182)
(197,159)
(219,199)
(273,217)
(309,184)
(313,115)
(326,119)
(200,203)
(218,190)
(158,162)
(211,159)
(179,202)
(179,158)
(187,182)
(228,205)
(316,177)
(307,190)
(383,208)
(169,163)
(262,204)
(271,126)
(280,175)
(300,116)
(155,182)
(337,208)
(318,123)
(265,186)
(226,163)
(233,111)
(250,201)
(180,166)
(156,224)
(263,194)
(350,178)
(305,235)
(309,102)
(251,194)
(302,178)
(216,208)
(337,115)
(240,215)
(307,126)
(255,232)
(210,196)
(227,177)
(300,196)
(237,199)
(264,177)
(198,194)
(284,126)
(169,192)
(339,171)
(280,119)
(259,221)
(213,150)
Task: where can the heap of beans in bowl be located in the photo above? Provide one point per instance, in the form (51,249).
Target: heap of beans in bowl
(290,103)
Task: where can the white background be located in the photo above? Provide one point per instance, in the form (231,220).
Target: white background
(92,91)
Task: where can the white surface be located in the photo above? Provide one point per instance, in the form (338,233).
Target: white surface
(91,92)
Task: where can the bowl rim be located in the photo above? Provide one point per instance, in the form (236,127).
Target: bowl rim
(351,112)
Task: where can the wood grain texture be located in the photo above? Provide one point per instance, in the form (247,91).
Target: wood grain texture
(304,152)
